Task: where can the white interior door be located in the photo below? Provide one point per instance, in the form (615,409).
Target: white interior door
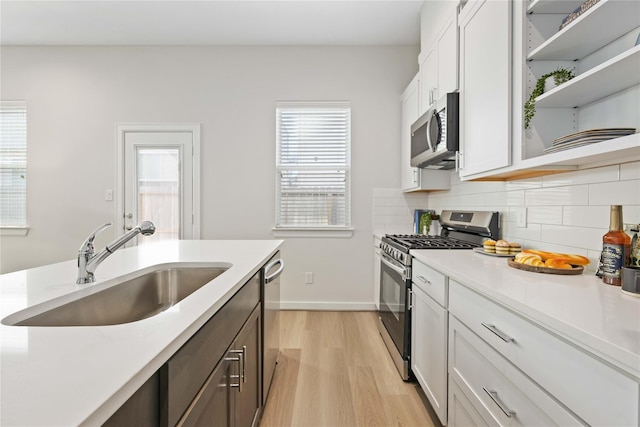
(158,169)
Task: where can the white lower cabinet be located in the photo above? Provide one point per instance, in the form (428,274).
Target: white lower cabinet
(526,369)
(499,392)
(461,411)
(429,336)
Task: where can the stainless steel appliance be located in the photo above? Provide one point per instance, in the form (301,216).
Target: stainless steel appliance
(460,230)
(271,320)
(435,135)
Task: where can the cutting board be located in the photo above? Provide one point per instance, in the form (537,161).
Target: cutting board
(547,270)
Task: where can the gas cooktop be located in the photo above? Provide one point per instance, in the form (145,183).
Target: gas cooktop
(460,230)
(419,241)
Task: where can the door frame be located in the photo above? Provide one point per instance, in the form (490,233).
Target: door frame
(121,130)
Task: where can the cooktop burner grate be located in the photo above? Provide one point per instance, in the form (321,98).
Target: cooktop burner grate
(416,241)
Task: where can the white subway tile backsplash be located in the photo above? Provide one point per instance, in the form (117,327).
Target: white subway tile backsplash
(630,171)
(586,216)
(505,198)
(510,231)
(551,215)
(558,196)
(577,237)
(567,212)
(604,174)
(615,193)
(523,184)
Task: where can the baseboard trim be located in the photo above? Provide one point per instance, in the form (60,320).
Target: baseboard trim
(327,306)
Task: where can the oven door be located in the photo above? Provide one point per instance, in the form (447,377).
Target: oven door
(395,280)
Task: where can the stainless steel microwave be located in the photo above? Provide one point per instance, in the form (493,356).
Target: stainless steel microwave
(435,135)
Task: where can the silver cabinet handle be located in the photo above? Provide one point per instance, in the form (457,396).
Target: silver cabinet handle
(424,280)
(492,328)
(410,299)
(244,363)
(241,363)
(494,396)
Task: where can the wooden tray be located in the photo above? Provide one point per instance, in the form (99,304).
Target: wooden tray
(534,269)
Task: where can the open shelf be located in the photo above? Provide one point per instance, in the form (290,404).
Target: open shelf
(610,19)
(613,151)
(553,6)
(619,73)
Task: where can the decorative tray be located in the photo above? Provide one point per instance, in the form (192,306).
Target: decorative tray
(547,270)
(481,251)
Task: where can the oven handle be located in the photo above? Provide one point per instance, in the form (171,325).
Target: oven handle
(401,271)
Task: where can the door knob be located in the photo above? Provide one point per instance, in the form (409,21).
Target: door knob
(128,227)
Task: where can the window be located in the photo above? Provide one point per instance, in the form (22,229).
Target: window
(13,164)
(313,161)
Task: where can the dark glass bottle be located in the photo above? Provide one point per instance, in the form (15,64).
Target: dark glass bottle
(615,248)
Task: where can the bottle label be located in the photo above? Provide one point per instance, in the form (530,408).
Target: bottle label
(612,260)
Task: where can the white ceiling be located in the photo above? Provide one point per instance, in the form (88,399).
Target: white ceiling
(207,22)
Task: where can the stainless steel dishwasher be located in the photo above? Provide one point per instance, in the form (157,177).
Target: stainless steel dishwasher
(271,320)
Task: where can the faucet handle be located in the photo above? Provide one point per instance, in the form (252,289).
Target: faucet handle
(87,245)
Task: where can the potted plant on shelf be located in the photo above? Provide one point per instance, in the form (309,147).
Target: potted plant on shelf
(548,81)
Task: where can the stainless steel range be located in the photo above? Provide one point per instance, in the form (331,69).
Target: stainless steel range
(460,230)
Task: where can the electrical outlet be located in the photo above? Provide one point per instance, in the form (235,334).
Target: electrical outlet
(108,195)
(521,216)
(308,278)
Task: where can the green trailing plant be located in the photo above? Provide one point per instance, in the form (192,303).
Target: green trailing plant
(560,76)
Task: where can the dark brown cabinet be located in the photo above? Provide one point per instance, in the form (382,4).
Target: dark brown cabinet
(231,395)
(215,379)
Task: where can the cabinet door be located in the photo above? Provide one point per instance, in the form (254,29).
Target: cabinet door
(213,405)
(247,396)
(429,350)
(461,411)
(410,103)
(447,53)
(485,86)
(428,80)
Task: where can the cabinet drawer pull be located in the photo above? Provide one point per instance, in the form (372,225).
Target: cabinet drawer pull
(494,396)
(424,280)
(504,337)
(241,368)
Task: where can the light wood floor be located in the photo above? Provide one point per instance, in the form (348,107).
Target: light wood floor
(334,370)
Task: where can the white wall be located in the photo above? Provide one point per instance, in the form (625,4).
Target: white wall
(76,95)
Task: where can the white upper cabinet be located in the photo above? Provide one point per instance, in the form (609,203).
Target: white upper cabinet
(428,80)
(485,86)
(599,46)
(447,51)
(416,179)
(439,56)
(410,112)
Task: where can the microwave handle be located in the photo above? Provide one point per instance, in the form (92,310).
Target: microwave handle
(428,126)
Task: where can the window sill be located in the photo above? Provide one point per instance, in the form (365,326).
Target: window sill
(14,231)
(321,232)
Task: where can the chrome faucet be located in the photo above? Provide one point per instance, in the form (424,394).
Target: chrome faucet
(88,260)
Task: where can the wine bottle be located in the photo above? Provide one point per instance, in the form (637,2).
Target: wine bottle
(615,248)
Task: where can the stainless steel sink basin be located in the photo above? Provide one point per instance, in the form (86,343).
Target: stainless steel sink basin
(133,299)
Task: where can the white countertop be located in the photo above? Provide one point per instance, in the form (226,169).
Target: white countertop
(67,376)
(580,308)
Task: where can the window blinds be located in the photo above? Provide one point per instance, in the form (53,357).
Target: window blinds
(313,162)
(13,163)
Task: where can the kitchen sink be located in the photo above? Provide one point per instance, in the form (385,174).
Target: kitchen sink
(126,301)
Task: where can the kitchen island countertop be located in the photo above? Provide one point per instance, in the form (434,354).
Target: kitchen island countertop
(579,308)
(81,375)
